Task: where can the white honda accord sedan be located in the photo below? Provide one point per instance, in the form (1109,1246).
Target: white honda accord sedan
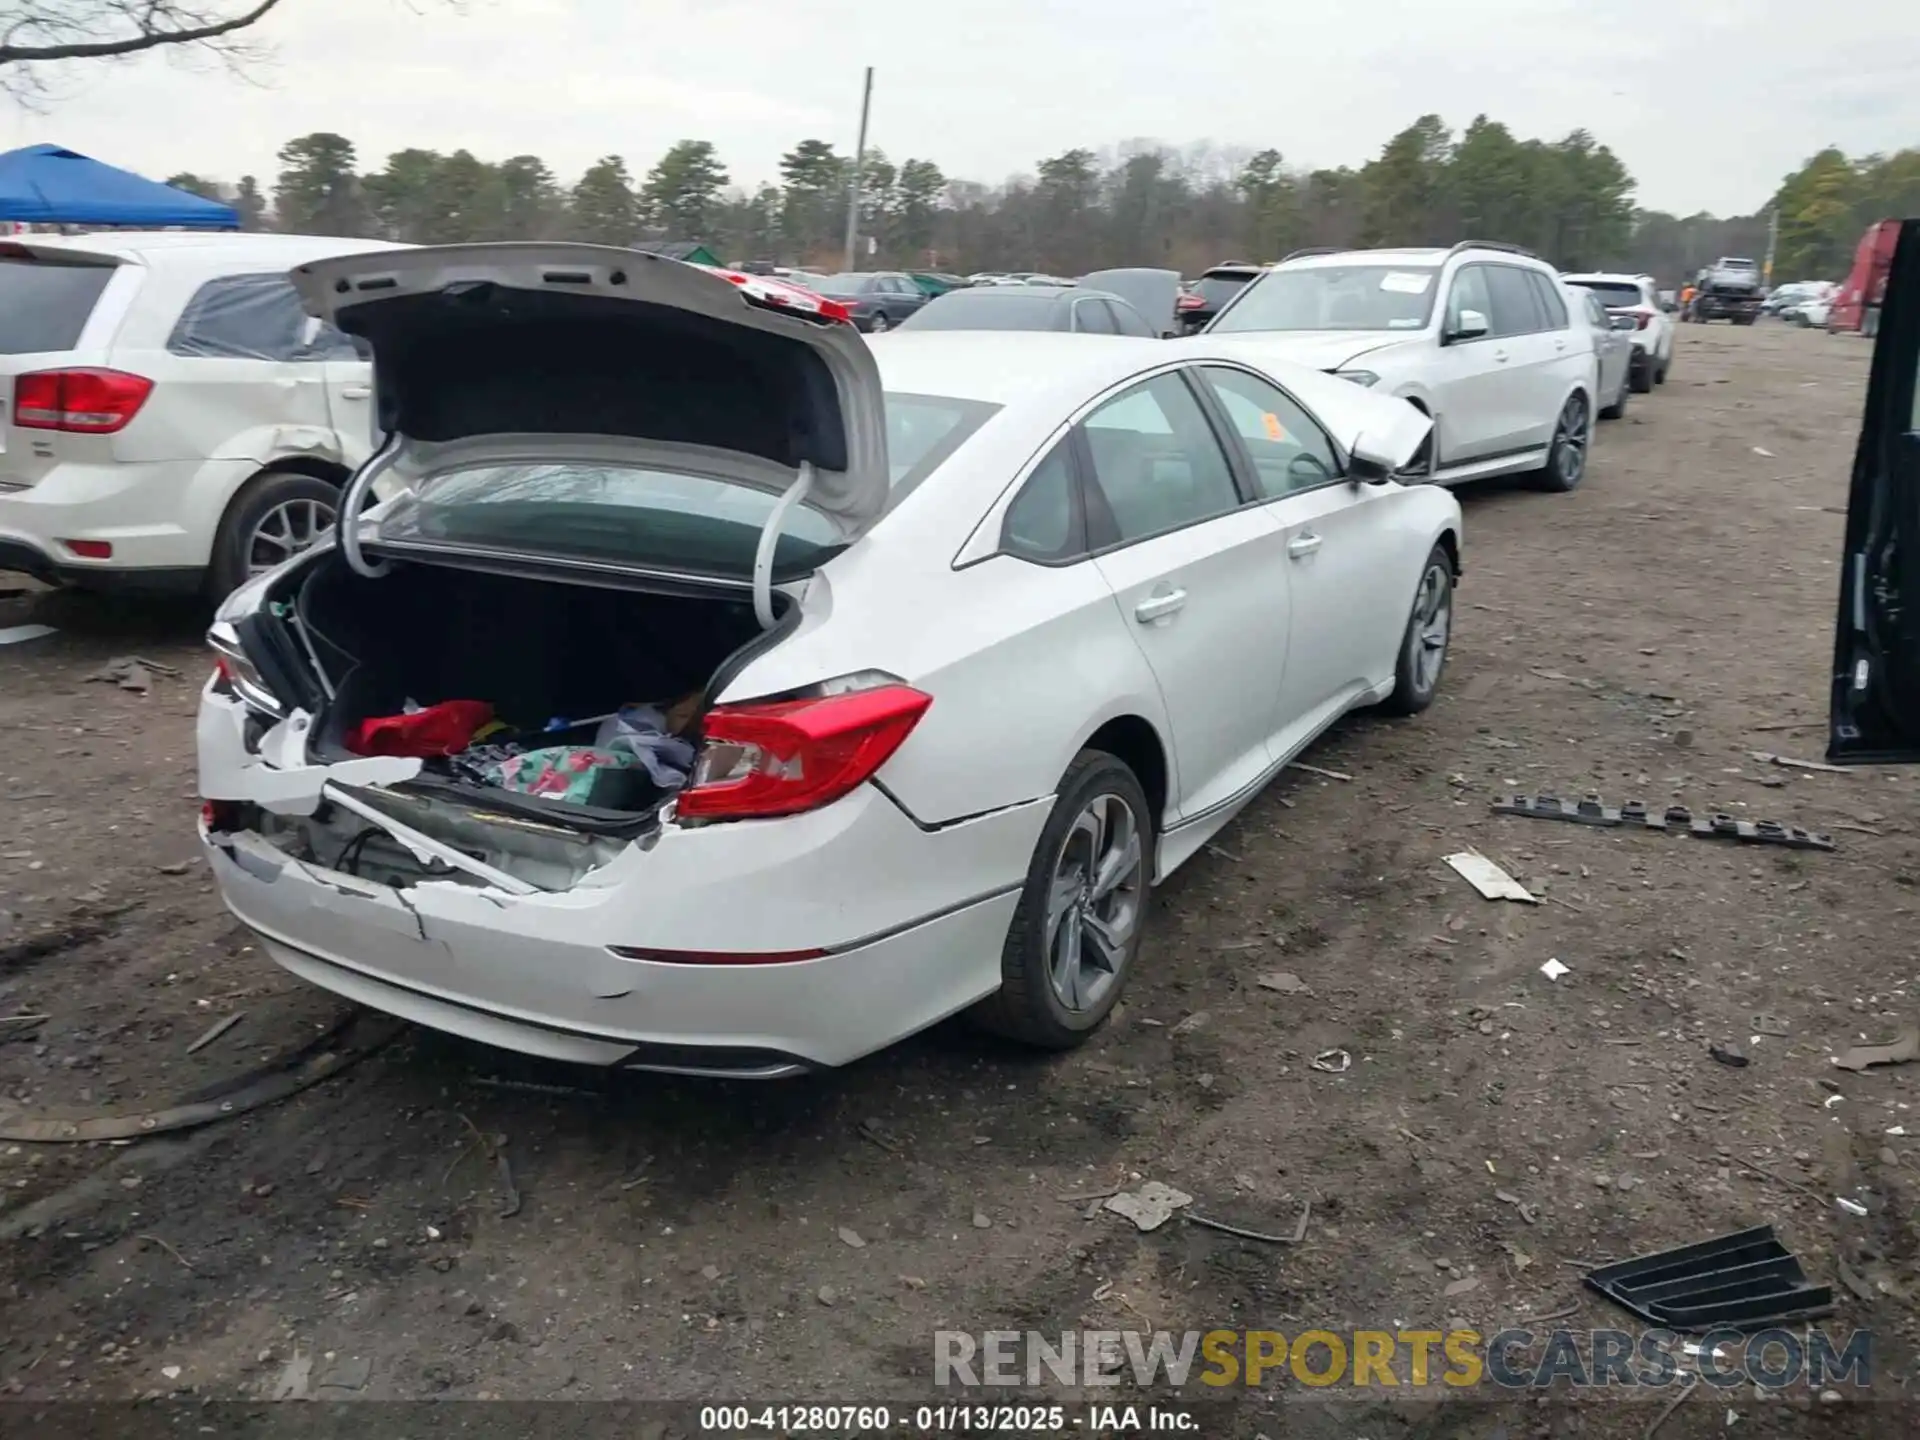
(717,694)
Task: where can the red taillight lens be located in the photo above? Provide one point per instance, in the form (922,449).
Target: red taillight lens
(84,402)
(90,549)
(1188,302)
(794,755)
(1641,321)
(219,815)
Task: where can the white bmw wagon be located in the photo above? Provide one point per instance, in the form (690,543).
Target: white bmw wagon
(716,694)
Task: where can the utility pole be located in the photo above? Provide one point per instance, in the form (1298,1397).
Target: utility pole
(859,164)
(1773,243)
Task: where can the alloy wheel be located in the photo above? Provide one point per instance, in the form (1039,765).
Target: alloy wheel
(1432,626)
(1095,902)
(286,530)
(879,325)
(1570,442)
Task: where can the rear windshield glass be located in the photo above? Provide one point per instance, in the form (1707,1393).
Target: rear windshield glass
(1612,295)
(44,306)
(997,308)
(627,515)
(1218,289)
(1336,297)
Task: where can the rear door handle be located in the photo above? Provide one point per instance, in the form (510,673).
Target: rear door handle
(1499,357)
(1303,545)
(1157,607)
(356,392)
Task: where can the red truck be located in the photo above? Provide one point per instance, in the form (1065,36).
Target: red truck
(1856,305)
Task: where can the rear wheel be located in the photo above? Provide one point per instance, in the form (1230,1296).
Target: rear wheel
(275,516)
(1567,458)
(1078,927)
(880,325)
(1619,406)
(1640,375)
(1423,649)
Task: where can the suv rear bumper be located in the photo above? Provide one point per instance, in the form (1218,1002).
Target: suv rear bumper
(159,517)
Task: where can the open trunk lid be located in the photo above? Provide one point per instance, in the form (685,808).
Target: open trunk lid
(502,342)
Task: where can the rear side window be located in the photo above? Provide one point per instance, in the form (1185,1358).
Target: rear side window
(1046,521)
(1091,317)
(1516,307)
(1156,463)
(253,317)
(1552,306)
(44,305)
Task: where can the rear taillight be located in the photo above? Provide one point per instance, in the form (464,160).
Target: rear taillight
(83,402)
(1188,302)
(1641,320)
(781,758)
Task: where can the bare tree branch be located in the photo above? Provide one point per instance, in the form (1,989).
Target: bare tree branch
(35,31)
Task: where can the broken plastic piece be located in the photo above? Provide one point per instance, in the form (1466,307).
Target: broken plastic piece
(443,729)
(1149,1207)
(1590,811)
(1900,1050)
(1553,969)
(1488,878)
(1745,1281)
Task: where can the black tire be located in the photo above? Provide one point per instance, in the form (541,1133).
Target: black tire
(1027,1007)
(1416,683)
(1660,375)
(235,548)
(1566,463)
(880,324)
(1640,377)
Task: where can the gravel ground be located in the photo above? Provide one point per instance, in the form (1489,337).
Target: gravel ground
(1641,638)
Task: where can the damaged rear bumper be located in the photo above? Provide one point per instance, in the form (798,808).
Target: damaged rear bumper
(901,927)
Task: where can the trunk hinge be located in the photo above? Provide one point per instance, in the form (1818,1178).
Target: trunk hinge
(770,540)
(346,527)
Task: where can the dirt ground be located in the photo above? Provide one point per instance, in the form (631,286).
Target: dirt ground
(689,1239)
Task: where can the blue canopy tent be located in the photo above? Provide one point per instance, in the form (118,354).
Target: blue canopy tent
(48,185)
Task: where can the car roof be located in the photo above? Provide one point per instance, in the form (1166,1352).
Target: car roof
(1049,292)
(201,246)
(983,365)
(1606,277)
(1411,255)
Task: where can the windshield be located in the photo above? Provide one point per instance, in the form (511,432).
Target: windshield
(1335,297)
(44,305)
(840,284)
(1613,294)
(1003,308)
(625,514)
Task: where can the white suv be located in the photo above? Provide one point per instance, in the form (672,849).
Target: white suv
(1636,296)
(1481,337)
(171,419)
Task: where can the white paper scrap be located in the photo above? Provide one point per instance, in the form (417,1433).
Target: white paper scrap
(1488,878)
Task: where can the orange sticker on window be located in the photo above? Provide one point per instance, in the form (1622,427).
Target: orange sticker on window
(1275,430)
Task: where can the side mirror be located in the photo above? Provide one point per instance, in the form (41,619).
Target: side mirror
(1366,466)
(1469,325)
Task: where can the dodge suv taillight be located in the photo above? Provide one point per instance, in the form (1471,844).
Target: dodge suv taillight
(80,402)
(786,756)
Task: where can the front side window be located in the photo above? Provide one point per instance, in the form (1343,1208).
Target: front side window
(1156,463)
(1469,293)
(1335,297)
(1289,450)
(1516,308)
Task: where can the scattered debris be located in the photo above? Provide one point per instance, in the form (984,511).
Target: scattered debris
(981,1221)
(1521,1260)
(1763,452)
(1489,879)
(1553,969)
(219,1028)
(1226,854)
(19,634)
(1285,982)
(1528,1212)
(1332,1062)
(873,1131)
(1767,757)
(1463,1286)
(1196,1021)
(294,1378)
(344,1374)
(1690,1384)
(178,867)
(1900,1050)
(852,1237)
(826,1294)
(1149,1207)
(913,1282)
(1317,770)
(1695,1287)
(156,1240)
(1853,1279)
(1675,818)
(1299,1229)
(1088,1195)
(1771,1025)
(1852,1207)
(356,1036)
(134,673)
(1727,1055)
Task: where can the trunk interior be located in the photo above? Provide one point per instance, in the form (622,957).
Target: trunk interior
(538,651)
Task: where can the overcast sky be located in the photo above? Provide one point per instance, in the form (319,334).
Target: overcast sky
(1709,102)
